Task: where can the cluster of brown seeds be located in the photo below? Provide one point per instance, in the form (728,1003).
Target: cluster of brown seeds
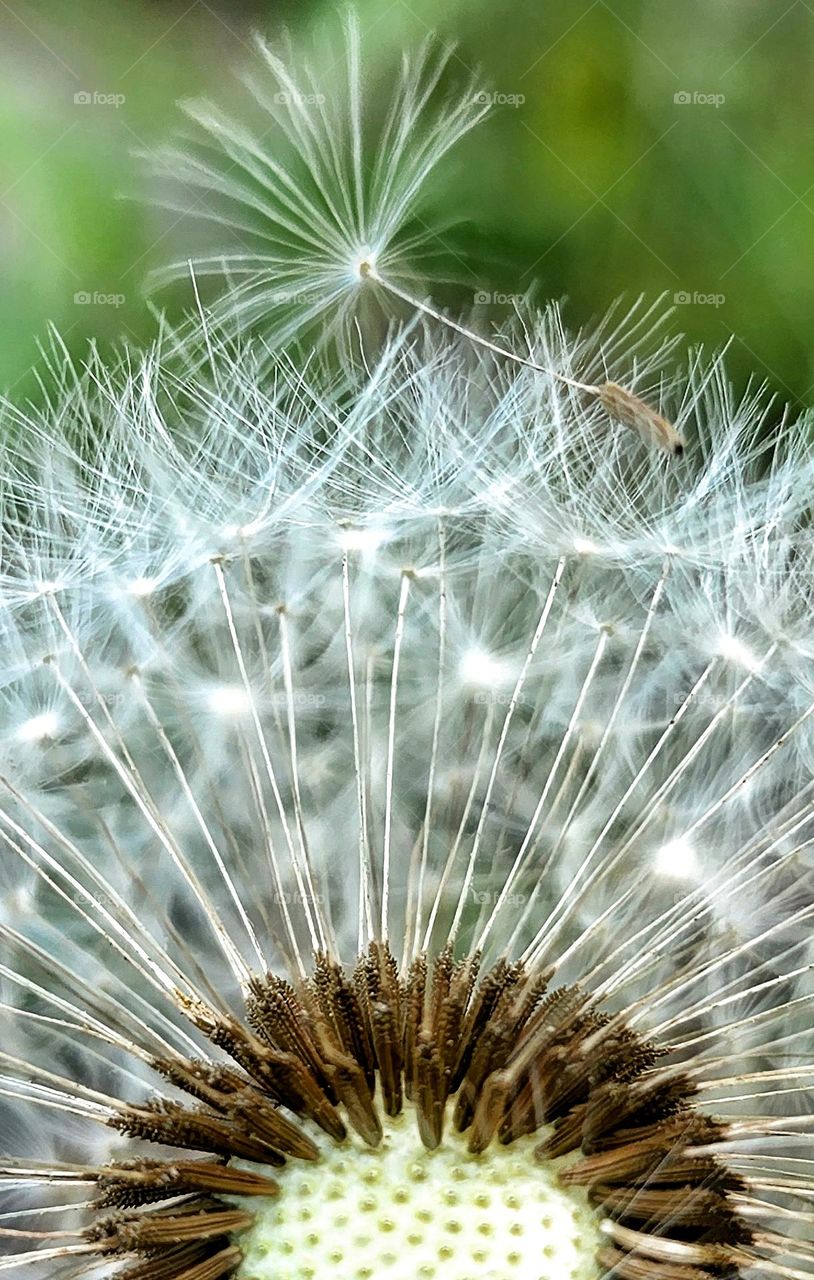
(508,1053)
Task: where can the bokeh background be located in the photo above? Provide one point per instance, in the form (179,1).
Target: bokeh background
(638,146)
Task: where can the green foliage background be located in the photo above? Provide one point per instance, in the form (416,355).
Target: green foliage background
(597,183)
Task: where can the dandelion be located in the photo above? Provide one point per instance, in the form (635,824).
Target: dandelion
(344,198)
(405,811)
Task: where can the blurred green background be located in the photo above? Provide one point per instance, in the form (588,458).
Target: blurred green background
(640,146)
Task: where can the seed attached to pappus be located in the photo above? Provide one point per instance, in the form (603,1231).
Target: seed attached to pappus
(620,404)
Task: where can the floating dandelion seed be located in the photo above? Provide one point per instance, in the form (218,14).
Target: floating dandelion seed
(358,920)
(341,227)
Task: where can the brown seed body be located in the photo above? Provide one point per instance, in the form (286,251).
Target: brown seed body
(625,407)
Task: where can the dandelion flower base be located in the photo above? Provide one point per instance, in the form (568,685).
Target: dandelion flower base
(443,1121)
(405,1212)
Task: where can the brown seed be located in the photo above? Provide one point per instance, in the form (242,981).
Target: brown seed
(625,407)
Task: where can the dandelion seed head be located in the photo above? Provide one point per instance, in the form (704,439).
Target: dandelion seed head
(38,728)
(350,867)
(142,587)
(365,541)
(482,669)
(736,651)
(586,547)
(677,860)
(228,700)
(419,1213)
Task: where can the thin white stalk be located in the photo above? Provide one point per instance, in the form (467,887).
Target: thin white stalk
(117,1012)
(369,271)
(44,1255)
(652,607)
(272,778)
(406,580)
(104,886)
(41,1210)
(498,756)
(753,769)
(145,807)
(426,831)
(149,970)
(576,888)
(322,921)
(365,914)
(203,826)
(453,853)
(563,747)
